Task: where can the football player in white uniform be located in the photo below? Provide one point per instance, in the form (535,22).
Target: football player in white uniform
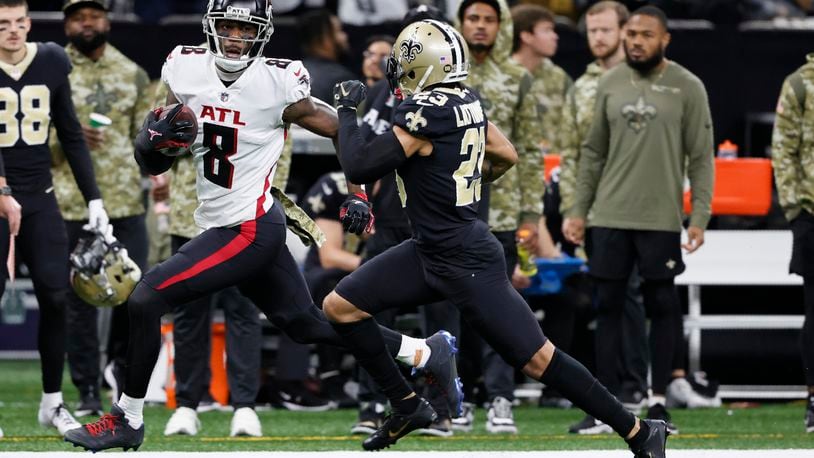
(243,103)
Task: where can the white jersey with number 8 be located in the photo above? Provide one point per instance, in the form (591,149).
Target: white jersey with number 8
(240,130)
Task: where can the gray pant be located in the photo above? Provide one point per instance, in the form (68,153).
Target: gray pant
(191,332)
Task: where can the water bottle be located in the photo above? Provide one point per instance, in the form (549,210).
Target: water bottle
(13,305)
(727,150)
(524,258)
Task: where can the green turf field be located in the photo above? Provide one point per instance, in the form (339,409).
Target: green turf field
(772,426)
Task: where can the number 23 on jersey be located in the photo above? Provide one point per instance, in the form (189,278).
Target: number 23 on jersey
(26,115)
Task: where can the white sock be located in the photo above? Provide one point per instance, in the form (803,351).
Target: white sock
(133,409)
(656,400)
(412,349)
(51,400)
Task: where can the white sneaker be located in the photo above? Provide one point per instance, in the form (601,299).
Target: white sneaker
(57,417)
(499,419)
(183,421)
(681,394)
(246,423)
(464,422)
(1,433)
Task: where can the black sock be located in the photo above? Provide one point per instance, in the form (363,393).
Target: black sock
(368,347)
(569,377)
(637,441)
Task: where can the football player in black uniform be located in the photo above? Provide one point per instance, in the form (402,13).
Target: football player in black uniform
(443,148)
(34,92)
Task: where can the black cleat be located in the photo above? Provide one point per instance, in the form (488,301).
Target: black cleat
(442,370)
(110,431)
(397,426)
(659,412)
(656,443)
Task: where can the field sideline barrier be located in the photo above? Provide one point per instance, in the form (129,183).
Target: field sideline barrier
(739,258)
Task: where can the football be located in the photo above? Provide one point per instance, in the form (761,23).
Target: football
(186,114)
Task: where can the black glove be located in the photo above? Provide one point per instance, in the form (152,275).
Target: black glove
(356,214)
(164,133)
(349,94)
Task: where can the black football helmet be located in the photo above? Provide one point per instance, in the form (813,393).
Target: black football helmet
(257,12)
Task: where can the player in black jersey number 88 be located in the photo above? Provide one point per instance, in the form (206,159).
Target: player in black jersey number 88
(440,149)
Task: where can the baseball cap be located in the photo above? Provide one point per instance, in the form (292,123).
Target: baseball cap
(71,5)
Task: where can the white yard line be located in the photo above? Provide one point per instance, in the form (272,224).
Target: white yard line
(345,454)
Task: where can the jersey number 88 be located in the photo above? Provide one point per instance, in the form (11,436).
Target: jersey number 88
(34,103)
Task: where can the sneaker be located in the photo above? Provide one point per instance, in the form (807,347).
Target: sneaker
(810,419)
(110,431)
(183,421)
(333,389)
(590,426)
(467,418)
(114,377)
(396,426)
(656,444)
(89,404)
(659,412)
(295,396)
(371,417)
(553,399)
(1,433)
(682,392)
(441,427)
(57,417)
(633,400)
(499,419)
(245,423)
(442,370)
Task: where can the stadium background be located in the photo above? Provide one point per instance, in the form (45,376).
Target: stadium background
(742,67)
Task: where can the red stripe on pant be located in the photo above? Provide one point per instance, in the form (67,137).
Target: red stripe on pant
(248,231)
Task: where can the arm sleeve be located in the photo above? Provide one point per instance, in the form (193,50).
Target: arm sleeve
(786,140)
(698,143)
(530,160)
(592,157)
(153,162)
(569,153)
(2,166)
(366,162)
(73,143)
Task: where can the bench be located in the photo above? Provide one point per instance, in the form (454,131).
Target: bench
(734,258)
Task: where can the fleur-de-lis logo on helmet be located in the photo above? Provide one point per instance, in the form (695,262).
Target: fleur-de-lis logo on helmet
(415,120)
(410,49)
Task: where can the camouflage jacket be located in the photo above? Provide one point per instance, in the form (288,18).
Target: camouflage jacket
(116,87)
(578,114)
(793,142)
(184,197)
(550,87)
(503,85)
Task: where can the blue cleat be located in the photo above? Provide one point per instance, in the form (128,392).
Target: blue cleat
(442,370)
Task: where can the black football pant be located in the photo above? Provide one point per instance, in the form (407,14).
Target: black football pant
(43,246)
(81,318)
(191,332)
(252,256)
(498,375)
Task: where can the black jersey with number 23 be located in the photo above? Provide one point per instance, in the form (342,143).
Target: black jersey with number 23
(441,192)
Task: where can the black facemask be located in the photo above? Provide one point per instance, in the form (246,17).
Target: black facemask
(87,45)
(643,67)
